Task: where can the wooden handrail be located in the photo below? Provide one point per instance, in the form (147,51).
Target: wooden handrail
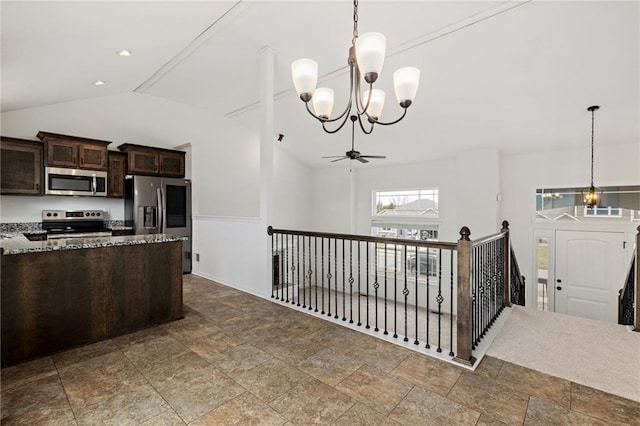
(367,238)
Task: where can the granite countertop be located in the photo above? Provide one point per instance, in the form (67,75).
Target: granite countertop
(16,243)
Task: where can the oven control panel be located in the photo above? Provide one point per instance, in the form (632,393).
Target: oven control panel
(58,215)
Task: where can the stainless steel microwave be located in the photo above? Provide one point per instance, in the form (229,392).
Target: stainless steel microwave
(60,181)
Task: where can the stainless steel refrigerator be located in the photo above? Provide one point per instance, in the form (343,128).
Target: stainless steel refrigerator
(158,205)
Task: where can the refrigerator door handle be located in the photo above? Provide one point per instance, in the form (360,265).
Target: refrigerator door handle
(159,211)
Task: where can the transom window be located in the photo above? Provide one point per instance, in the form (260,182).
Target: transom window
(413,203)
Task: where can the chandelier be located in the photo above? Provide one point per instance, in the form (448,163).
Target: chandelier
(590,198)
(366,56)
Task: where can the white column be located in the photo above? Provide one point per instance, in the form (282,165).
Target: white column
(266,157)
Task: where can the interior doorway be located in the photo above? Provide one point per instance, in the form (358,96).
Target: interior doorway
(589,269)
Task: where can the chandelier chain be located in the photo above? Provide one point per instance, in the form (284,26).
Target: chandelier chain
(355,22)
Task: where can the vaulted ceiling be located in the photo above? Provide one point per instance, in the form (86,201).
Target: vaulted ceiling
(518,76)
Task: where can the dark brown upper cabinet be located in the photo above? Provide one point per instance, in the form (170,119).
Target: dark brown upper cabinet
(21,172)
(146,160)
(116,173)
(74,152)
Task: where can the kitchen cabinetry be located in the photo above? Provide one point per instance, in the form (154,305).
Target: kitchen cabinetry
(21,172)
(74,152)
(117,169)
(146,160)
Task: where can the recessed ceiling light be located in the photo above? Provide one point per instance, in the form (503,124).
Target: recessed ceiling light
(125,53)
(99,83)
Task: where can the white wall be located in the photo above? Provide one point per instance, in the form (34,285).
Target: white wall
(293,192)
(331,199)
(478,186)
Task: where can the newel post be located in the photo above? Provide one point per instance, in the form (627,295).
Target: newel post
(507,264)
(636,307)
(463,317)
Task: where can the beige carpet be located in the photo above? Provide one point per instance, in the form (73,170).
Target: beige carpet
(593,353)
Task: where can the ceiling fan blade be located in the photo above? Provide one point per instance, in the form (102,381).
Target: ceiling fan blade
(373,156)
(341,158)
(334,156)
(362,160)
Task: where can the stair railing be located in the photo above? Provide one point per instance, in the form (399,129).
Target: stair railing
(440,298)
(628,296)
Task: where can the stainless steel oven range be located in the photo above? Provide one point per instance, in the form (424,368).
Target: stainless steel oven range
(74,224)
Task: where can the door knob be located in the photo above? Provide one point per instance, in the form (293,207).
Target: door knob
(558,288)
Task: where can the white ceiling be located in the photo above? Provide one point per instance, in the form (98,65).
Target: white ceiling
(513,75)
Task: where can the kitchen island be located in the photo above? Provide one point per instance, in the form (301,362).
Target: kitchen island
(58,294)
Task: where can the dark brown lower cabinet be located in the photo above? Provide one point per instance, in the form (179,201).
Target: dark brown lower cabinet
(56,300)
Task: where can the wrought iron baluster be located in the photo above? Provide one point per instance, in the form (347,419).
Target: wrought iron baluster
(283,269)
(350,282)
(273,269)
(304,272)
(405,292)
(297,243)
(367,326)
(385,289)
(376,284)
(451,304)
(335,287)
(395,291)
(416,342)
(322,270)
(428,313)
(474,291)
(315,267)
(287,248)
(329,276)
(439,299)
(359,322)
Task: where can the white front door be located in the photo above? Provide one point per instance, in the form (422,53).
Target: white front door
(589,271)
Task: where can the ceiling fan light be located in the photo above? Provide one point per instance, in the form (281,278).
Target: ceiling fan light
(376,104)
(370,51)
(405,83)
(305,77)
(323,102)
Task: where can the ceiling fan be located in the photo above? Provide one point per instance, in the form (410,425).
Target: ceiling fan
(353,154)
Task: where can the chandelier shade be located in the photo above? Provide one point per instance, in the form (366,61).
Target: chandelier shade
(370,51)
(305,76)
(405,83)
(365,60)
(376,102)
(323,102)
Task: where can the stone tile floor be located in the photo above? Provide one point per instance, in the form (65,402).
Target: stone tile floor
(238,359)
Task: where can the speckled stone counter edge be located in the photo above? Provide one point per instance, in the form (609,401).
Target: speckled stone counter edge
(20,245)
(36,227)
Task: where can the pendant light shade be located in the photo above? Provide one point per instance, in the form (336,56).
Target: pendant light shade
(305,77)
(370,51)
(405,83)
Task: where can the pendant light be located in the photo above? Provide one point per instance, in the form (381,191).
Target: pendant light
(590,197)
